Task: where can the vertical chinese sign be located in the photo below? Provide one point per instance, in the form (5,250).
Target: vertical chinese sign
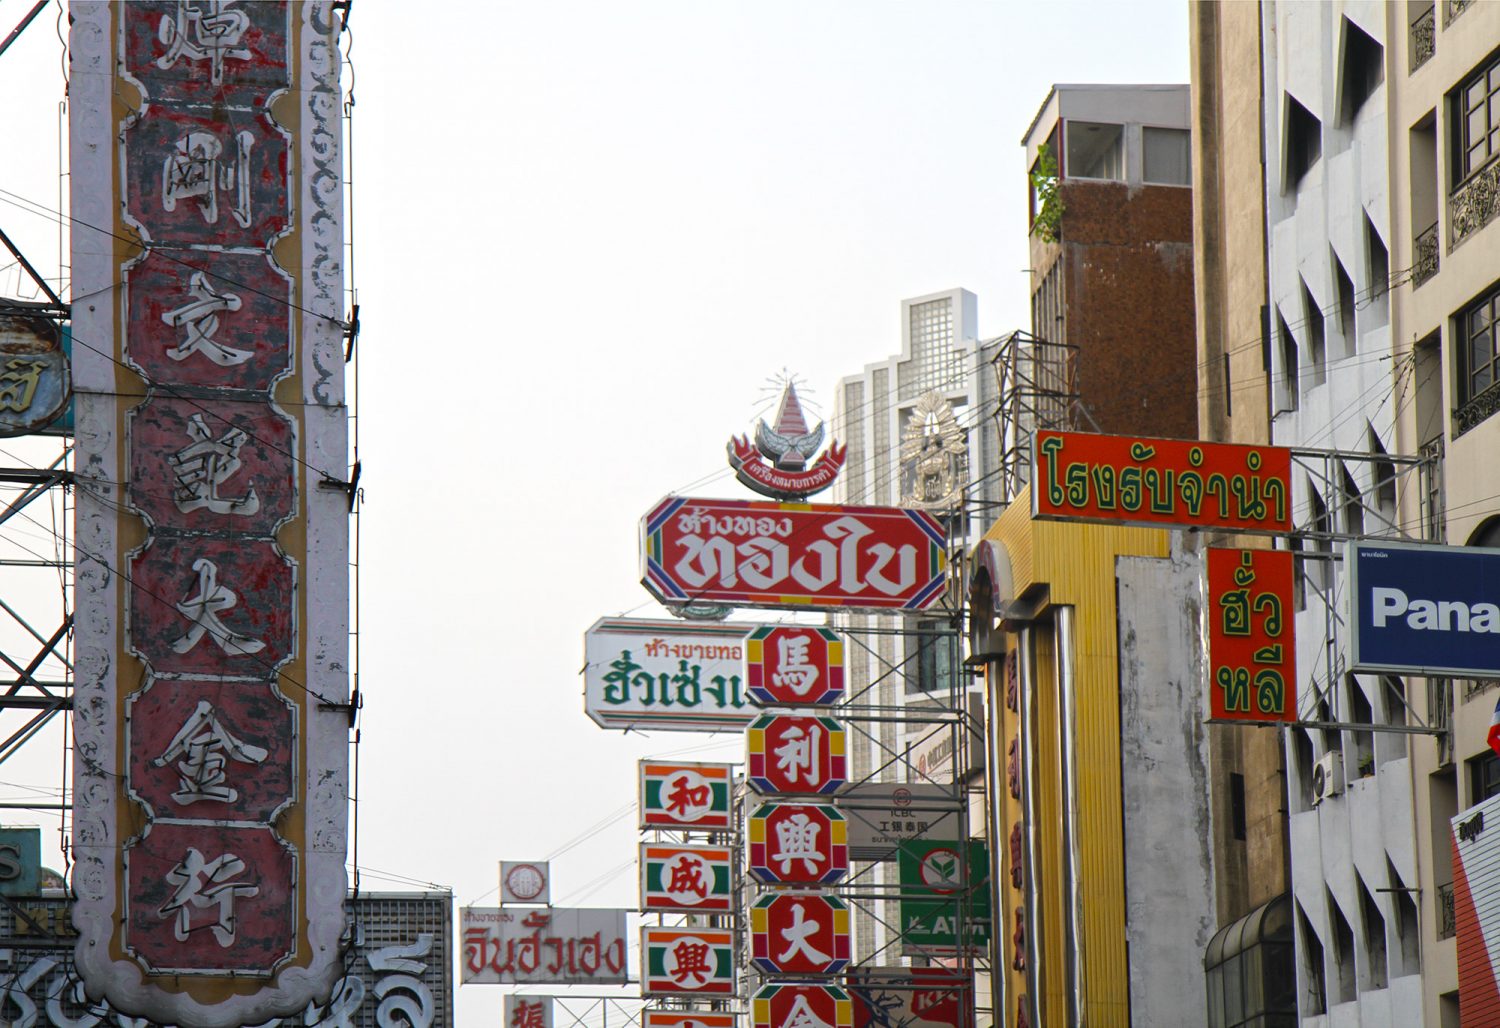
(212,565)
(1251,651)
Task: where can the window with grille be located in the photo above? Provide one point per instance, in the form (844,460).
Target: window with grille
(1479,359)
(1476,115)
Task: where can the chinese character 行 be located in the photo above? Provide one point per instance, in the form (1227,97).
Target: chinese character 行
(203,748)
(206,886)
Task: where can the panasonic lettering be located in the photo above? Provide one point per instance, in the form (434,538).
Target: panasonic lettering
(1433,615)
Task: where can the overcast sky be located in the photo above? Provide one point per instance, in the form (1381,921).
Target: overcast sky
(586,235)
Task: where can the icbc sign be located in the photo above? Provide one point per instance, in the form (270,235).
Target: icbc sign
(799,933)
(798,844)
(790,753)
(794,666)
(804,556)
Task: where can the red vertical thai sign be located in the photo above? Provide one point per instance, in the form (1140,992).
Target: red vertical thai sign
(1252,653)
(211,758)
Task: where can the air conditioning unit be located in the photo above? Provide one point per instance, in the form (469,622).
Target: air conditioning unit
(1328,776)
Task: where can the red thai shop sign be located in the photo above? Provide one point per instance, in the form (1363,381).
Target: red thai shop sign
(1089,477)
(799,933)
(762,553)
(1252,652)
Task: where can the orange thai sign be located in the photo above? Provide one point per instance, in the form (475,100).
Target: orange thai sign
(1252,652)
(1090,477)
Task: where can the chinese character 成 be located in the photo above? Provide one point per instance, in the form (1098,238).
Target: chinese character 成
(687,877)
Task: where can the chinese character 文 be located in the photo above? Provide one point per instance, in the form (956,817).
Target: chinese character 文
(795,672)
(205,895)
(205,31)
(200,318)
(18,382)
(797,839)
(194,171)
(203,611)
(203,748)
(204,465)
(799,754)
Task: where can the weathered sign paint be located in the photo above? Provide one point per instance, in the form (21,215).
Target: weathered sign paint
(212,562)
(35,384)
(686,879)
(794,666)
(1252,652)
(528,1011)
(543,946)
(1090,477)
(912,997)
(802,556)
(690,961)
(801,1006)
(799,933)
(686,797)
(797,844)
(794,754)
(666,675)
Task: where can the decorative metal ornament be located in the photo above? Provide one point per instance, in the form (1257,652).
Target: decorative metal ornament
(934,456)
(777,463)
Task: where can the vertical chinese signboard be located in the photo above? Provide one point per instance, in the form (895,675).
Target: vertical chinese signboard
(1251,652)
(212,565)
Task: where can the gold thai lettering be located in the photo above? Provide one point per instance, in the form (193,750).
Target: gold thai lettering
(18,383)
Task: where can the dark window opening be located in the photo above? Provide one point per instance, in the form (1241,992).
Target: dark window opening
(1316,1000)
(1317,355)
(1484,777)
(1364,64)
(1374,925)
(1343,950)
(1346,307)
(1237,805)
(1304,141)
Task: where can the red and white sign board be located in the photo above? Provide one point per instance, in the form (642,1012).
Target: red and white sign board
(654,1018)
(686,879)
(794,666)
(528,1011)
(793,754)
(687,961)
(1476,911)
(525,881)
(543,946)
(798,556)
(801,1006)
(918,997)
(797,844)
(799,933)
(686,796)
(210,711)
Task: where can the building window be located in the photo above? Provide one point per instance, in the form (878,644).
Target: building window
(1484,777)
(1476,113)
(1095,150)
(1237,806)
(1168,157)
(930,657)
(1478,360)
(1304,141)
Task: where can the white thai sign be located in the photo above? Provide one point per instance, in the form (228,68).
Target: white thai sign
(543,946)
(666,675)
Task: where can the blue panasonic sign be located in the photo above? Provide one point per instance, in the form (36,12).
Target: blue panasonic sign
(1424,609)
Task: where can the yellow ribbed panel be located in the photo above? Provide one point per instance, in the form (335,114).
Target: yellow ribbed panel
(1075,563)
(1011,896)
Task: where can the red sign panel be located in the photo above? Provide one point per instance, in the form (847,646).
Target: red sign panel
(687,961)
(794,666)
(686,797)
(801,1006)
(799,934)
(793,754)
(803,556)
(798,844)
(913,997)
(1252,652)
(1090,477)
(653,1018)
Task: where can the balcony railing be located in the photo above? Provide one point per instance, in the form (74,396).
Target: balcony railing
(1475,202)
(1473,412)
(1453,8)
(1447,922)
(1424,263)
(1423,39)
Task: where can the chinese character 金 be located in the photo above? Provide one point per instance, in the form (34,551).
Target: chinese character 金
(203,748)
